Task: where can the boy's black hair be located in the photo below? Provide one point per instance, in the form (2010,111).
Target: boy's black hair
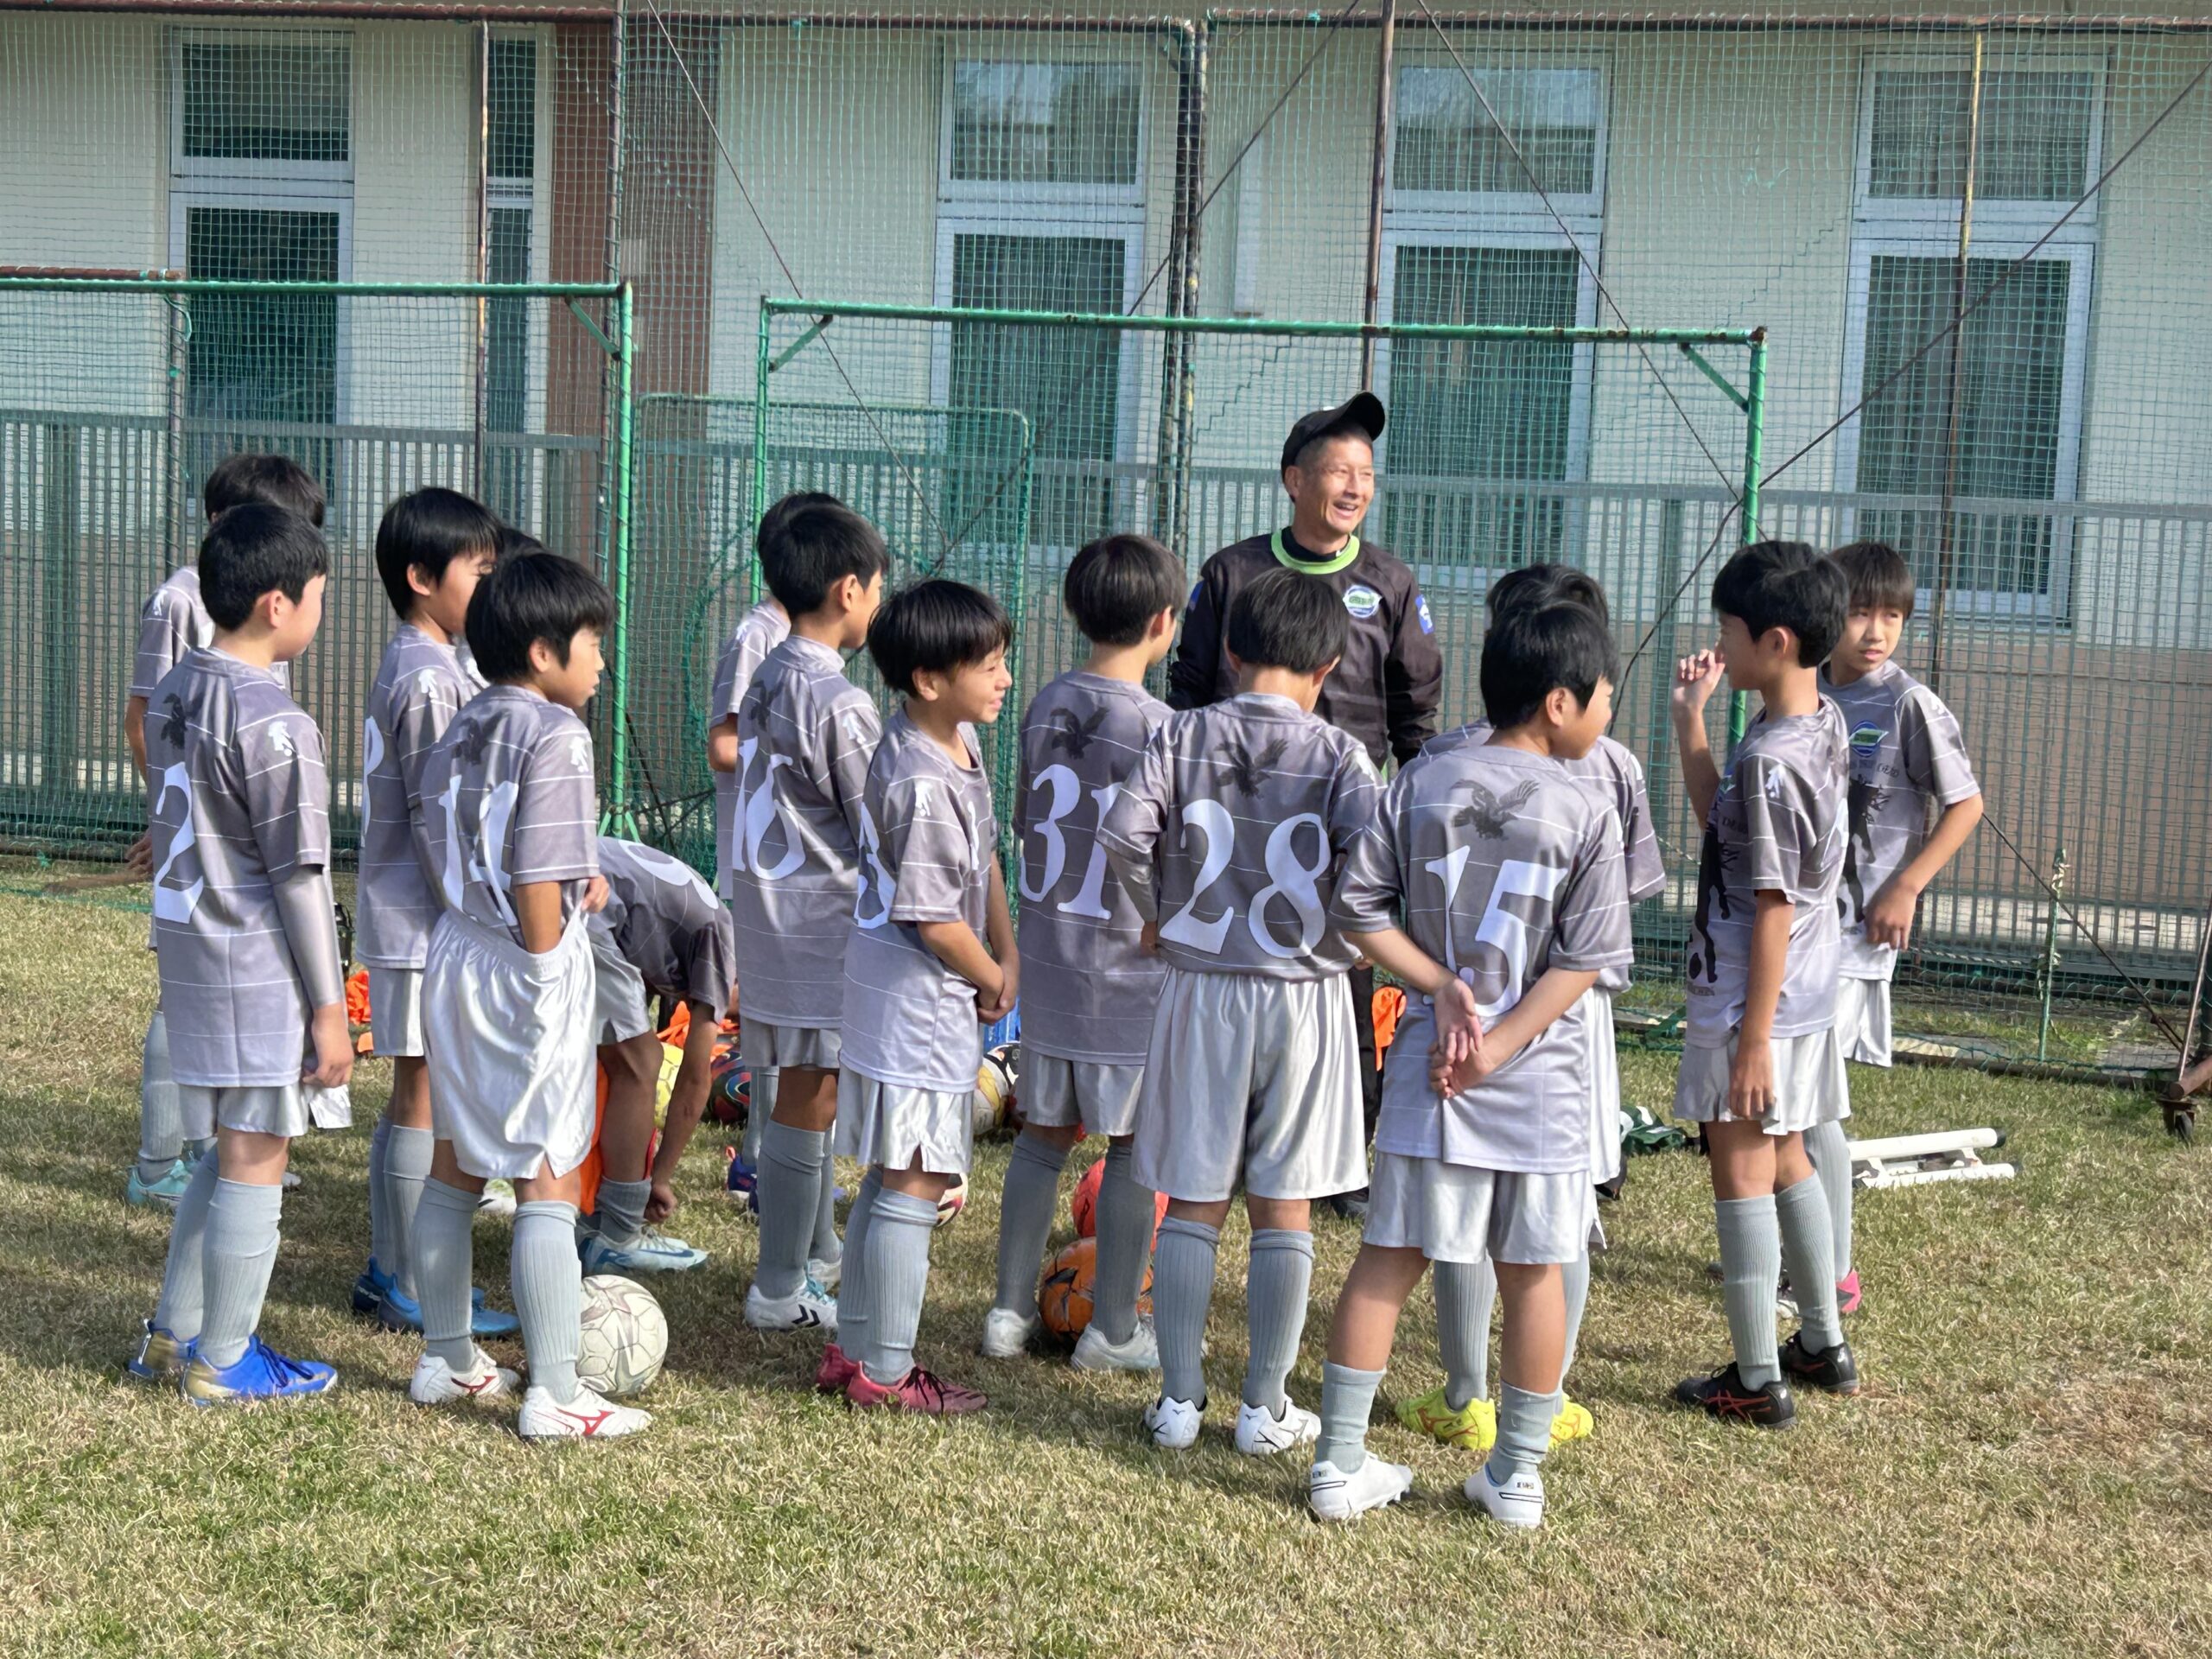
(1544,584)
(1785,585)
(1533,650)
(274,480)
(815,547)
(513,539)
(1287,620)
(1878,576)
(1117,584)
(778,515)
(251,550)
(935,626)
(530,598)
(431,528)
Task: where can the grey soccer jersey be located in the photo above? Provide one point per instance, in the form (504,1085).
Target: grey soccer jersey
(667,924)
(1906,754)
(420,686)
(1612,774)
(757,633)
(1777,826)
(806,737)
(508,799)
(1503,867)
(172,621)
(928,836)
(241,799)
(1231,830)
(1088,988)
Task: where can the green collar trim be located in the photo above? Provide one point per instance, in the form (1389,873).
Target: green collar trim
(1327,567)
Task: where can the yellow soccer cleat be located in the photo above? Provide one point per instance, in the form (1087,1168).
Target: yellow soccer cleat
(1474,1427)
(1572,1423)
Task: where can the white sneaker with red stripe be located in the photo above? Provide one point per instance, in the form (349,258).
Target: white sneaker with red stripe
(437,1383)
(587,1417)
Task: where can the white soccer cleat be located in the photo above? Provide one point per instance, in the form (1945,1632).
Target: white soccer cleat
(497,1199)
(437,1383)
(651,1251)
(1173,1424)
(1140,1353)
(828,1274)
(1519,1502)
(1007,1333)
(1260,1435)
(587,1417)
(812,1309)
(1335,1496)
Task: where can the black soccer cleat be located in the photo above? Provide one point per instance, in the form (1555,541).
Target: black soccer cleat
(1725,1396)
(1831,1370)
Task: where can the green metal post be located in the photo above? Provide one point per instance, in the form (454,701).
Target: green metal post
(618,566)
(1754,443)
(760,374)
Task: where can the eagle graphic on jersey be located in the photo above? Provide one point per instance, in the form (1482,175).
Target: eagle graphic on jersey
(176,718)
(1247,771)
(469,750)
(1492,815)
(1711,891)
(1864,801)
(1072,737)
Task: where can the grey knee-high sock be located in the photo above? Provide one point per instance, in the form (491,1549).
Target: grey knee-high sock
(406,1166)
(897,1247)
(825,1246)
(1465,1292)
(1525,1430)
(383,1254)
(239,1250)
(1275,1287)
(1032,1193)
(1800,1215)
(445,1244)
(1750,1268)
(1182,1291)
(1575,1279)
(789,1188)
(1347,1401)
(180,1310)
(1125,1212)
(763,1098)
(854,1302)
(620,1211)
(548,1280)
(1829,1148)
(160,1119)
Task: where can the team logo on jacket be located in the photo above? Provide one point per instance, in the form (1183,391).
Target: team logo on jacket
(1420,610)
(1362,601)
(1867,739)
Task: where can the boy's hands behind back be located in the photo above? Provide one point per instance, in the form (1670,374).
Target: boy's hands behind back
(334,1048)
(1454,1060)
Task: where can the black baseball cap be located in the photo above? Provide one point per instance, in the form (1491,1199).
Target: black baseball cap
(1363,410)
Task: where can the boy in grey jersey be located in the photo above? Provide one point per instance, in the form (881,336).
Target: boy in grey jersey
(1092,980)
(663,933)
(433,547)
(930,960)
(1458,1411)
(805,736)
(172,622)
(1228,837)
(1760,1060)
(1510,879)
(1906,756)
(509,990)
(248,949)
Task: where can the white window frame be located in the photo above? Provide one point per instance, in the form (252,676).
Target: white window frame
(182,202)
(2072,399)
(1998,215)
(1456,204)
(950,228)
(1117,200)
(297,178)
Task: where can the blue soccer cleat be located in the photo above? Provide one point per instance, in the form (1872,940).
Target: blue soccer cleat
(168,1189)
(369,1289)
(653,1251)
(400,1312)
(261,1373)
(161,1357)
(741,1184)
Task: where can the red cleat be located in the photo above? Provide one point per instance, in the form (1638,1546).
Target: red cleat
(835,1372)
(918,1390)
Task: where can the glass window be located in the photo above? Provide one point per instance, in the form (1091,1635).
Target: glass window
(265,97)
(1447,142)
(511,111)
(2035,127)
(1070,124)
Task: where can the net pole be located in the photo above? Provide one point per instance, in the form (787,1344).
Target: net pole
(1748,513)
(760,371)
(1386,49)
(1946,528)
(481,93)
(617,562)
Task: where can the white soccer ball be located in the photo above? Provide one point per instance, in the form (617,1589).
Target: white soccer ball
(624,1337)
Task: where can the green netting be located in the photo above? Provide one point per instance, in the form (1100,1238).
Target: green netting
(1977,242)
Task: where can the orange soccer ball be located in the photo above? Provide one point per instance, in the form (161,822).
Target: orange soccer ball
(1083,1207)
(1064,1298)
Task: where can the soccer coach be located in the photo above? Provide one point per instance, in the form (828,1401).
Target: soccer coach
(1386,690)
